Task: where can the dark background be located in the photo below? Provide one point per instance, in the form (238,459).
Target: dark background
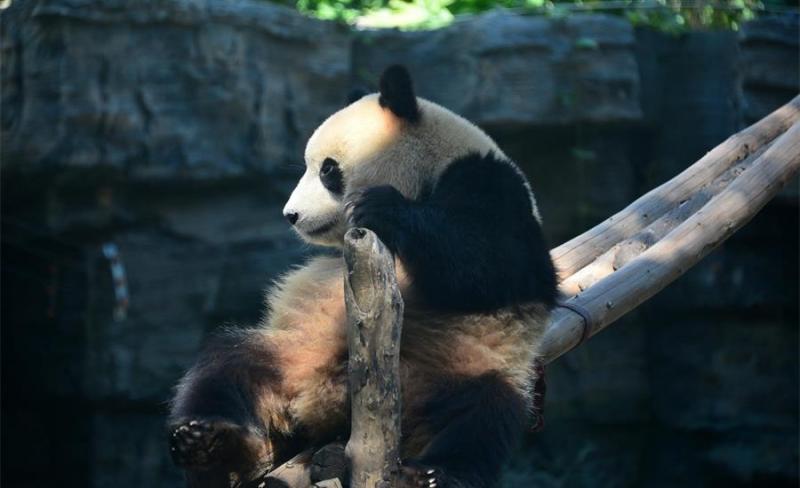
(170,129)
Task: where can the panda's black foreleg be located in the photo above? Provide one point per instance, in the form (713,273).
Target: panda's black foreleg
(471,245)
(477,421)
(213,424)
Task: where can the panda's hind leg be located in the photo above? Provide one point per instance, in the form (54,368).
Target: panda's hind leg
(217,418)
(476,424)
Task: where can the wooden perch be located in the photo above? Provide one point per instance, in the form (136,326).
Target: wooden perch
(623,252)
(606,272)
(374,318)
(294,473)
(583,249)
(623,290)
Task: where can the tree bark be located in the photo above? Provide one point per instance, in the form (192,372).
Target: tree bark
(291,474)
(583,249)
(625,251)
(374,317)
(624,289)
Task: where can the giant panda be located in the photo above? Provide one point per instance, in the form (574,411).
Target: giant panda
(475,275)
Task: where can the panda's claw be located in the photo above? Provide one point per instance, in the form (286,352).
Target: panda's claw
(420,476)
(193,443)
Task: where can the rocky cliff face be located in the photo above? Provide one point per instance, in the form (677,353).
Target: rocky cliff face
(168,89)
(204,89)
(169,128)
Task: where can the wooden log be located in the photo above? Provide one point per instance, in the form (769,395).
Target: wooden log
(291,474)
(583,249)
(624,252)
(622,291)
(374,316)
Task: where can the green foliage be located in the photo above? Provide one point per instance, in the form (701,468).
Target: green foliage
(680,16)
(667,15)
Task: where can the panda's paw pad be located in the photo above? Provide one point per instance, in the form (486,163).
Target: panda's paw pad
(196,442)
(420,476)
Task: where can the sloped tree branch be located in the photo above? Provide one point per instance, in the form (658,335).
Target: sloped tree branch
(624,289)
(583,249)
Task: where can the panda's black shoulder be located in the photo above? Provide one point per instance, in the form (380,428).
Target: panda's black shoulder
(485,180)
(493,241)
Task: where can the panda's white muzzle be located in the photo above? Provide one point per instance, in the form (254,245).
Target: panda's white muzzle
(311,209)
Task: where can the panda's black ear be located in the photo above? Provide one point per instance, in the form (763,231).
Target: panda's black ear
(397,93)
(356,94)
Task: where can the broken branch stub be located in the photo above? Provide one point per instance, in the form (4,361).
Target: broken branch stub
(374,323)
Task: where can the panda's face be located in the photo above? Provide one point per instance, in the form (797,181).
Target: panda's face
(348,151)
(387,138)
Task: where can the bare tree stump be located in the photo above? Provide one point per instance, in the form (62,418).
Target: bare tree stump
(374,316)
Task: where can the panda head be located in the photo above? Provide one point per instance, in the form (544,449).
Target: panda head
(386,138)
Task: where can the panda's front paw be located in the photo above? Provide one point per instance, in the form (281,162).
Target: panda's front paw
(379,209)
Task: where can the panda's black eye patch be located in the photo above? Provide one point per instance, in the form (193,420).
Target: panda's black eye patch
(331,176)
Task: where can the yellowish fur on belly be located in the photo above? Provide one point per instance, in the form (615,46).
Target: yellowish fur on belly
(306,328)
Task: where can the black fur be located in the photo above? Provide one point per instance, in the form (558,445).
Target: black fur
(472,244)
(397,93)
(478,421)
(225,381)
(330,174)
(212,423)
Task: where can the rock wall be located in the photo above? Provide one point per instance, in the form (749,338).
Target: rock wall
(169,128)
(504,70)
(186,89)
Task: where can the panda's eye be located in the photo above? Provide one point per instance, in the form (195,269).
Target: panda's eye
(331,176)
(327,166)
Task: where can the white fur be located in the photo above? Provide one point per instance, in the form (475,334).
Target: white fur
(373,146)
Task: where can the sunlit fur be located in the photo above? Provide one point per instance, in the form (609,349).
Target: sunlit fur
(307,329)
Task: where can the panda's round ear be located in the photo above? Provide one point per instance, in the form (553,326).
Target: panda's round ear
(397,93)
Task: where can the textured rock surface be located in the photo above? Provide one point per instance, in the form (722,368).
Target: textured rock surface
(503,70)
(192,89)
(769,63)
(163,127)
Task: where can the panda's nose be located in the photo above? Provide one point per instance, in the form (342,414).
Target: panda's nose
(291,217)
